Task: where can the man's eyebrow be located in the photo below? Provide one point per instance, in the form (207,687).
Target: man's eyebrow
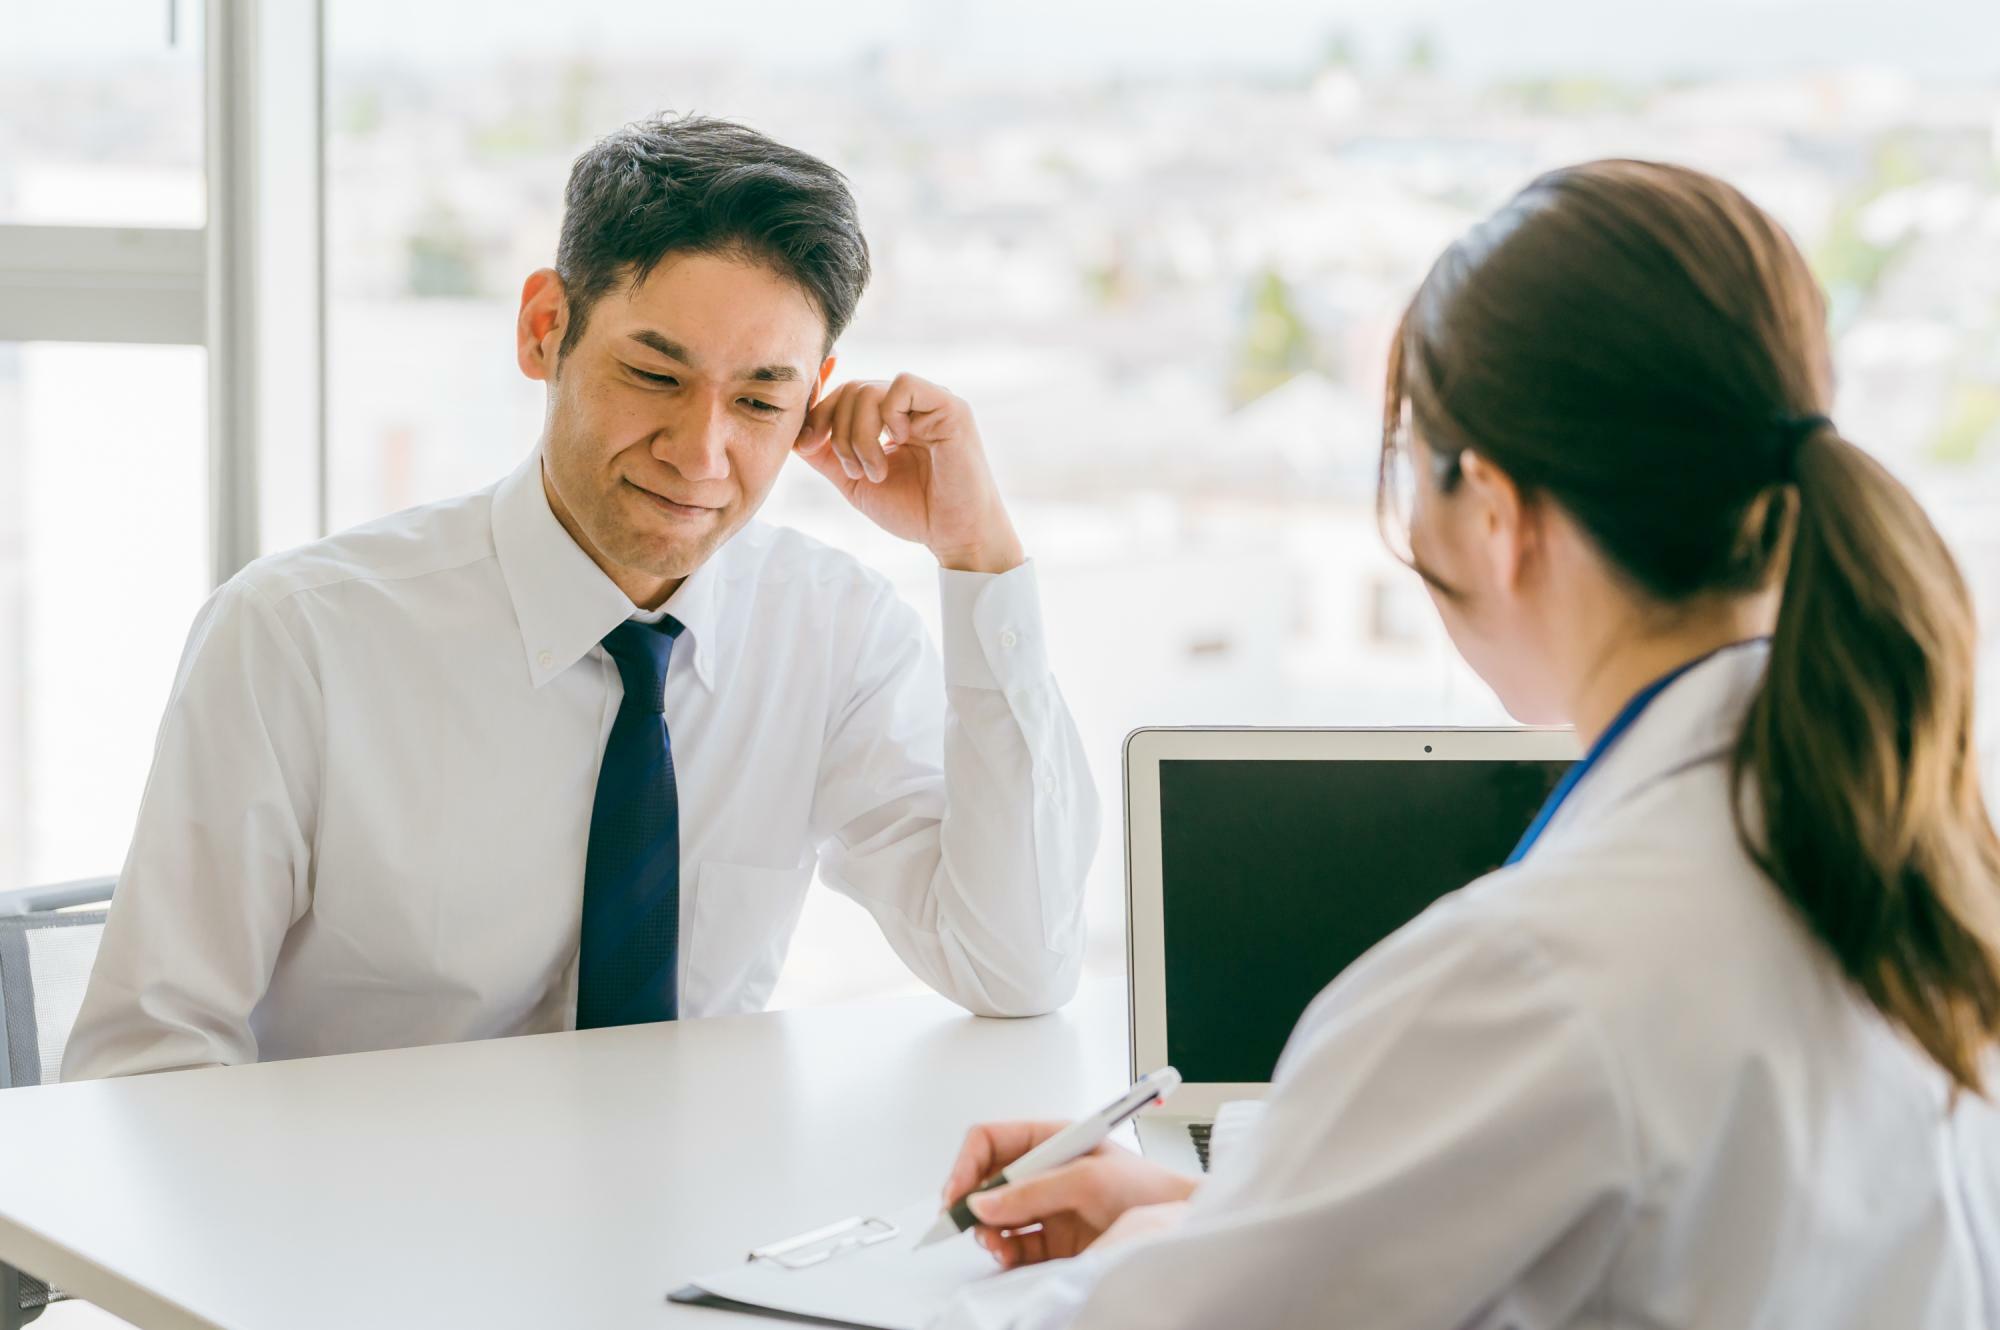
(673,350)
(666,346)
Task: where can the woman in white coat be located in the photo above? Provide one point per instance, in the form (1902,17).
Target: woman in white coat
(1718,1048)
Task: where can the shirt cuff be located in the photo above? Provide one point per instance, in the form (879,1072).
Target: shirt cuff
(992,629)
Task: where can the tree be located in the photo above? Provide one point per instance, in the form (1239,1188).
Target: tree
(1423,55)
(1277,341)
(443,258)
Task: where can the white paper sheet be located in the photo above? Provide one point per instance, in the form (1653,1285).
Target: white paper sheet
(889,1286)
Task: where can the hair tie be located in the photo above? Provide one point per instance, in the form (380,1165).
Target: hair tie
(1793,431)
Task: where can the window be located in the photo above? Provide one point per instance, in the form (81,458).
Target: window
(1396,612)
(159,377)
(1163,265)
(103,561)
(101,114)
(105,541)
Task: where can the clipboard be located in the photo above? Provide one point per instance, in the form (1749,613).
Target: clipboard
(863,1271)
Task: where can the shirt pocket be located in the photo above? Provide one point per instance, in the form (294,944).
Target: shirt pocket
(742,926)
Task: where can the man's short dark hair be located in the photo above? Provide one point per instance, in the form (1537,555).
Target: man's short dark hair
(694,185)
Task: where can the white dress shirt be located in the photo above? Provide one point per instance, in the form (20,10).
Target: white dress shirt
(367,817)
(1617,1085)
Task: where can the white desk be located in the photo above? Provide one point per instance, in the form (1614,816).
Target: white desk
(548,1181)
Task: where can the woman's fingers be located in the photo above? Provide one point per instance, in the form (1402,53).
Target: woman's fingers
(990,1147)
(1096,1188)
(1014,1247)
(1078,1187)
(1053,1239)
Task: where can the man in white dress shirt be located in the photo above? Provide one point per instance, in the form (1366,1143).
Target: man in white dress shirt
(375,816)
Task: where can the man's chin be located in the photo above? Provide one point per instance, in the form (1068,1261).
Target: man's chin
(675,555)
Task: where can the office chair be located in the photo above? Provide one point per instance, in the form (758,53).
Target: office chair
(47,946)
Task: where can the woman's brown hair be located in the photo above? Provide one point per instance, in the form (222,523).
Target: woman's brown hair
(1643,346)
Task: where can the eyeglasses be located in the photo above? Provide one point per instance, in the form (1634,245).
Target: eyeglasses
(1397,500)
(1403,460)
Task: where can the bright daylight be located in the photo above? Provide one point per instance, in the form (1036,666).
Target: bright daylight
(1049,665)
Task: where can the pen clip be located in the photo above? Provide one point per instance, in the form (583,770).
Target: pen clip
(1136,1109)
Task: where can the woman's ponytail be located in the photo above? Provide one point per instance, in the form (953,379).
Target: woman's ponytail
(1860,750)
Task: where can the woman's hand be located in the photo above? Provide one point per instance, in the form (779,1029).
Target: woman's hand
(1063,1211)
(1143,1221)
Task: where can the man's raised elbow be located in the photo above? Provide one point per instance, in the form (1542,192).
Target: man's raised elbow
(1019,1001)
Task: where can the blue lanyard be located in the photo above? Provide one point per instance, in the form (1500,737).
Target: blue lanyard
(1612,734)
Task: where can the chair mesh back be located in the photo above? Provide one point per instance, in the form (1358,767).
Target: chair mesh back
(34,1293)
(45,962)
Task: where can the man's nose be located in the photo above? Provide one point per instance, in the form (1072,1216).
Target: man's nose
(697,444)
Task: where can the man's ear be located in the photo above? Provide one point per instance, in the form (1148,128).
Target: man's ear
(544,318)
(1509,526)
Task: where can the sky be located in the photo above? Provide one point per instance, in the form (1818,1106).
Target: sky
(1497,38)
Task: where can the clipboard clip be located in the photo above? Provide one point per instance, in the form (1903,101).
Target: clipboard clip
(823,1244)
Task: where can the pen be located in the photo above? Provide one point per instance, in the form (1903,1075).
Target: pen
(1076,1140)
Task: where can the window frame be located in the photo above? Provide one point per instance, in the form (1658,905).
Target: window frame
(248,285)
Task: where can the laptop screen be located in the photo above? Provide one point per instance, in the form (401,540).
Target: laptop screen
(1276,875)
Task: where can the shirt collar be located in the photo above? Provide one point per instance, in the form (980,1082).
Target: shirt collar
(563,601)
(697,606)
(1696,720)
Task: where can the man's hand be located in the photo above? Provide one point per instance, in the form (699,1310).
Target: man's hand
(1063,1211)
(908,455)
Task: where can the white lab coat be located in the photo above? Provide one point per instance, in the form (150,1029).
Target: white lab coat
(1618,1084)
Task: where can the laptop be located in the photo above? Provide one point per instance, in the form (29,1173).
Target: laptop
(1260,863)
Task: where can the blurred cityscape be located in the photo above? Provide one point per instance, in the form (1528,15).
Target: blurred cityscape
(1169,301)
(1168,297)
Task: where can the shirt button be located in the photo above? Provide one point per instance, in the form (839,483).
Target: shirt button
(545,660)
(1010,639)
(1049,784)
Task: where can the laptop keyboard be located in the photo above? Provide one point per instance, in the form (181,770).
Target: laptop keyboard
(1199,1132)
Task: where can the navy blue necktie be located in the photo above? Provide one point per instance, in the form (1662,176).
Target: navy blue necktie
(626,959)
